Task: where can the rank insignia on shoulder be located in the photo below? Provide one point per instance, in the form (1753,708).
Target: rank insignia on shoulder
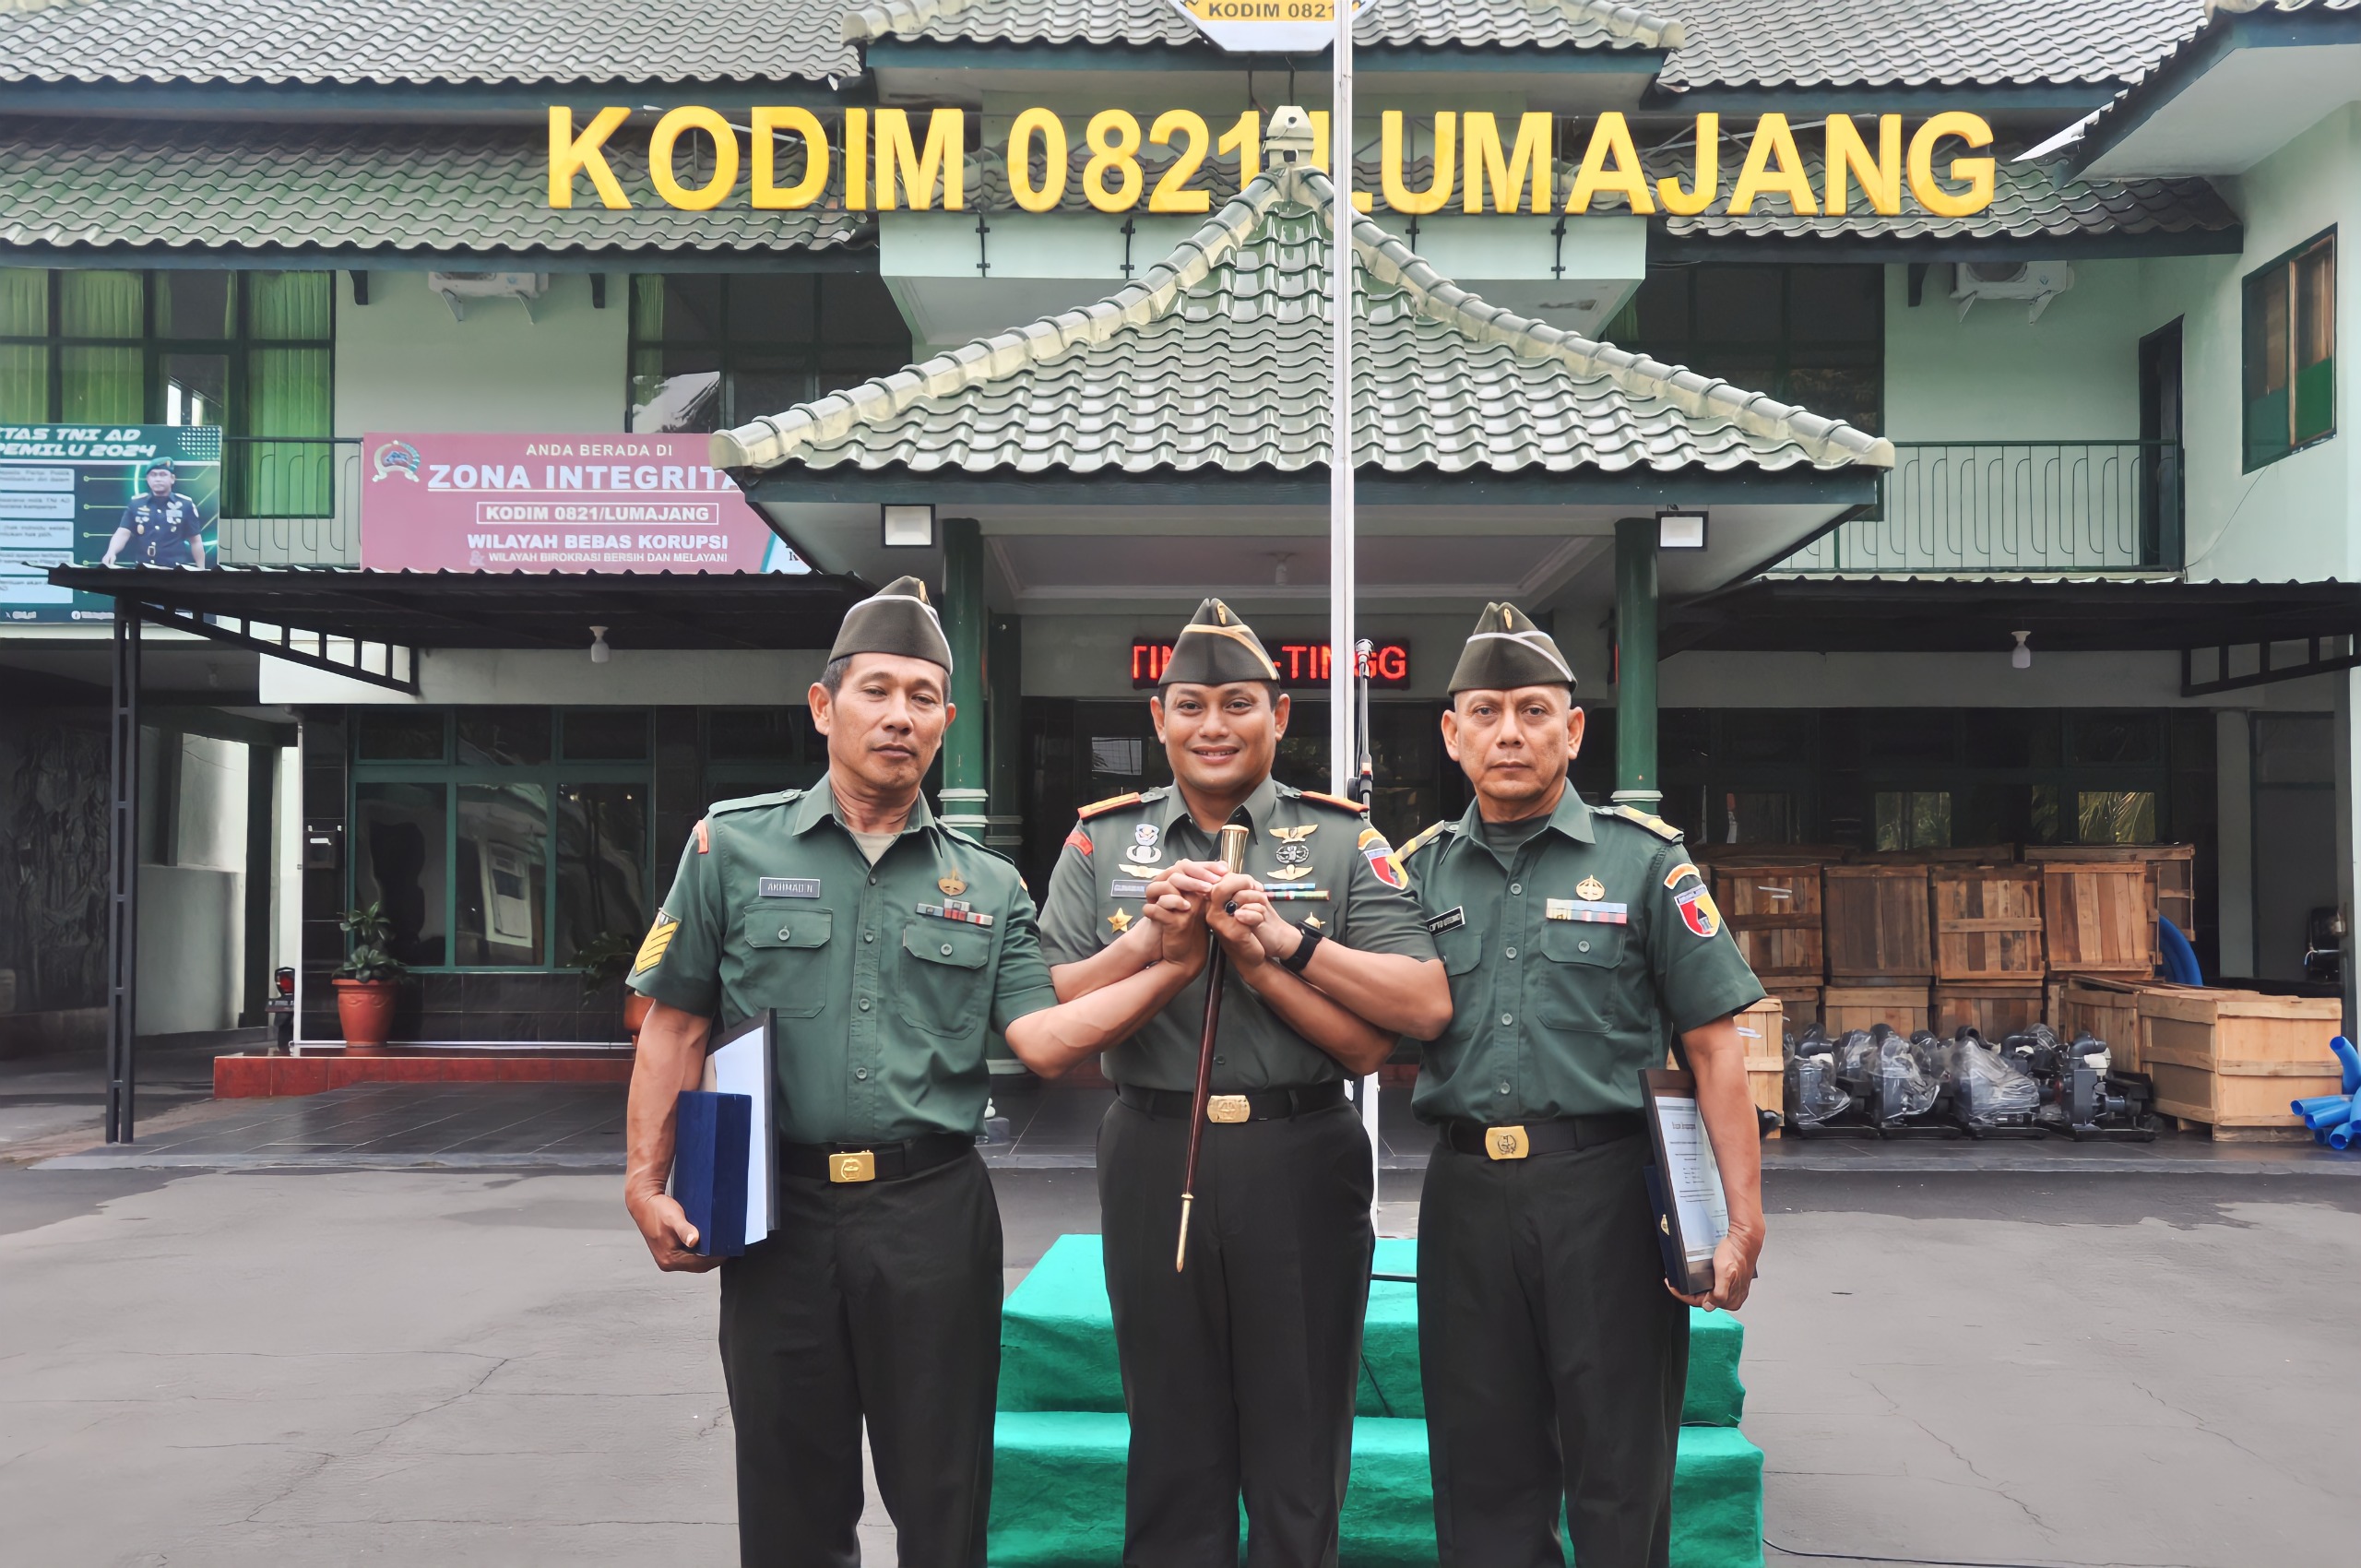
(704,837)
(1424,837)
(1673,878)
(1655,824)
(1337,801)
(659,937)
(1080,841)
(955,910)
(1111,803)
(1698,911)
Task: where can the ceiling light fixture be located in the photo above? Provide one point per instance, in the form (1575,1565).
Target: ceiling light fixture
(600,651)
(2021,657)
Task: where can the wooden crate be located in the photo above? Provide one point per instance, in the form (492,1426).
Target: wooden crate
(1762,1028)
(1798,1003)
(2104,1009)
(1768,1083)
(1966,854)
(1843,1008)
(1992,1009)
(1774,911)
(2095,917)
(2171,868)
(1875,923)
(1987,922)
(2232,1060)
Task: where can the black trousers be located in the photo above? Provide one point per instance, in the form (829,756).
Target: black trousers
(1553,1359)
(877,1299)
(1239,1373)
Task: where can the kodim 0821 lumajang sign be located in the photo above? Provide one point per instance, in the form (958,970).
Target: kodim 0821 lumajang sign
(1471,161)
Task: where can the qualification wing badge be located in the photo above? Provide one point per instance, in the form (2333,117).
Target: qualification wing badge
(1294,854)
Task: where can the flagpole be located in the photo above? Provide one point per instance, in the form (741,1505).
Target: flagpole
(1344,750)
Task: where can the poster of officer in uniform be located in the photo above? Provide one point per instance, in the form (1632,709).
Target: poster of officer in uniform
(110,495)
(162,526)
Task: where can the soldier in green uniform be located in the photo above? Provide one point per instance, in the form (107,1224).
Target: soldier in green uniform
(1239,1373)
(1581,943)
(885,943)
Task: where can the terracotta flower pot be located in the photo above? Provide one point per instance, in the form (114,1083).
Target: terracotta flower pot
(635,1008)
(365,1008)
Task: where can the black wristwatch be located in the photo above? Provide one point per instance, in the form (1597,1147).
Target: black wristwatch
(1294,962)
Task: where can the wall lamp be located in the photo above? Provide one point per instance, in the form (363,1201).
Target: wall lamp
(906,528)
(1680,530)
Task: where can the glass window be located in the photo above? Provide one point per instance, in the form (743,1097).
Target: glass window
(501,867)
(606,735)
(601,865)
(1914,819)
(1810,334)
(515,736)
(2297,748)
(760,734)
(2290,351)
(708,350)
(399,834)
(2103,737)
(398,735)
(195,304)
(2115,816)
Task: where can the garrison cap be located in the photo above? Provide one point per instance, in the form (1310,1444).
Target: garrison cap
(1507,650)
(895,619)
(1216,647)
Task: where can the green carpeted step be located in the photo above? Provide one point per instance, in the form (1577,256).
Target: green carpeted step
(1057,1494)
(1058,1342)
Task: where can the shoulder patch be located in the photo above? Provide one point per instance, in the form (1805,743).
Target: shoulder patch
(1339,802)
(1111,803)
(1655,824)
(704,837)
(1079,841)
(1424,837)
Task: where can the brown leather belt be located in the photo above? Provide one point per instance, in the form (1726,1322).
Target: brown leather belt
(846,1163)
(1255,1105)
(1541,1137)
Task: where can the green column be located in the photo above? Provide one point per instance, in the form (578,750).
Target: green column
(1635,664)
(964,793)
(1005,740)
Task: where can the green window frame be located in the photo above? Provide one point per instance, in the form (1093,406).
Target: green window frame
(1809,333)
(711,350)
(2288,356)
(253,353)
(528,833)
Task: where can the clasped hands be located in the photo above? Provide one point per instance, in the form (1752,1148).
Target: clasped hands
(1191,898)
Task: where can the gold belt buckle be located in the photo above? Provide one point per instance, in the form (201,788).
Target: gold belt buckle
(1228,1107)
(1506,1143)
(858,1166)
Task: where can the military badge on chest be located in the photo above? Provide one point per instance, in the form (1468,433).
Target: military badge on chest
(1146,851)
(1294,855)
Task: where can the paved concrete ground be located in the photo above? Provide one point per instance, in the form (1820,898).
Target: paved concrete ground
(403,1367)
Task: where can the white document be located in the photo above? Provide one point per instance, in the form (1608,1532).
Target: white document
(741,1064)
(1692,1182)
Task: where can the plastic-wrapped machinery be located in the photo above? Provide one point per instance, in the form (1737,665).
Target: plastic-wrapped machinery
(1883,1071)
(1988,1090)
(1813,1098)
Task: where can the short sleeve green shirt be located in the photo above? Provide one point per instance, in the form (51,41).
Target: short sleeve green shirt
(1574,963)
(885,978)
(1327,869)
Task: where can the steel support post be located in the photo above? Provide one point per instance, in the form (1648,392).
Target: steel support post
(965,796)
(123,880)
(1636,781)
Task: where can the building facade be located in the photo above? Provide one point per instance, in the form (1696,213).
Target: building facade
(1953,325)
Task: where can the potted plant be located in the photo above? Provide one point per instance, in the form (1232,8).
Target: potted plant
(366,982)
(606,958)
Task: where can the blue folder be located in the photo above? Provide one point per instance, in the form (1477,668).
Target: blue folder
(709,1159)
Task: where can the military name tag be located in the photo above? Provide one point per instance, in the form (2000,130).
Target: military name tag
(787,887)
(1120,888)
(1295,895)
(1588,909)
(952,910)
(1450,919)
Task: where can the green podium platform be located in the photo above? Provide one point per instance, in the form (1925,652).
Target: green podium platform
(1061,1439)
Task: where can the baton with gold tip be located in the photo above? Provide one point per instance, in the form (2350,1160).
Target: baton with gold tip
(1233,857)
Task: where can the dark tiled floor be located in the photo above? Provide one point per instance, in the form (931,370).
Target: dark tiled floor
(459,1126)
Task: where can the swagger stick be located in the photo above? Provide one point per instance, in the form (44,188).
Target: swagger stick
(1233,857)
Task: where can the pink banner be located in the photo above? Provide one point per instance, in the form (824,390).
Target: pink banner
(466,503)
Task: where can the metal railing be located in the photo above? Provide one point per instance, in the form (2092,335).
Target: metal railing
(2009,506)
(291,500)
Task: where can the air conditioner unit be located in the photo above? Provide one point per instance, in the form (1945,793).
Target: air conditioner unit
(456,288)
(2040,281)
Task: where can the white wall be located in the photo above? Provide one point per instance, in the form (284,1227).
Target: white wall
(192,914)
(2073,376)
(403,362)
(538,676)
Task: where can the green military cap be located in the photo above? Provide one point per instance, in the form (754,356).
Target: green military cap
(1216,647)
(895,619)
(1507,650)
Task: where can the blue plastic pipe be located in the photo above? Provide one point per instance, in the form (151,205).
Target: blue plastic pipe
(2341,1136)
(2310,1103)
(2350,1060)
(2329,1116)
